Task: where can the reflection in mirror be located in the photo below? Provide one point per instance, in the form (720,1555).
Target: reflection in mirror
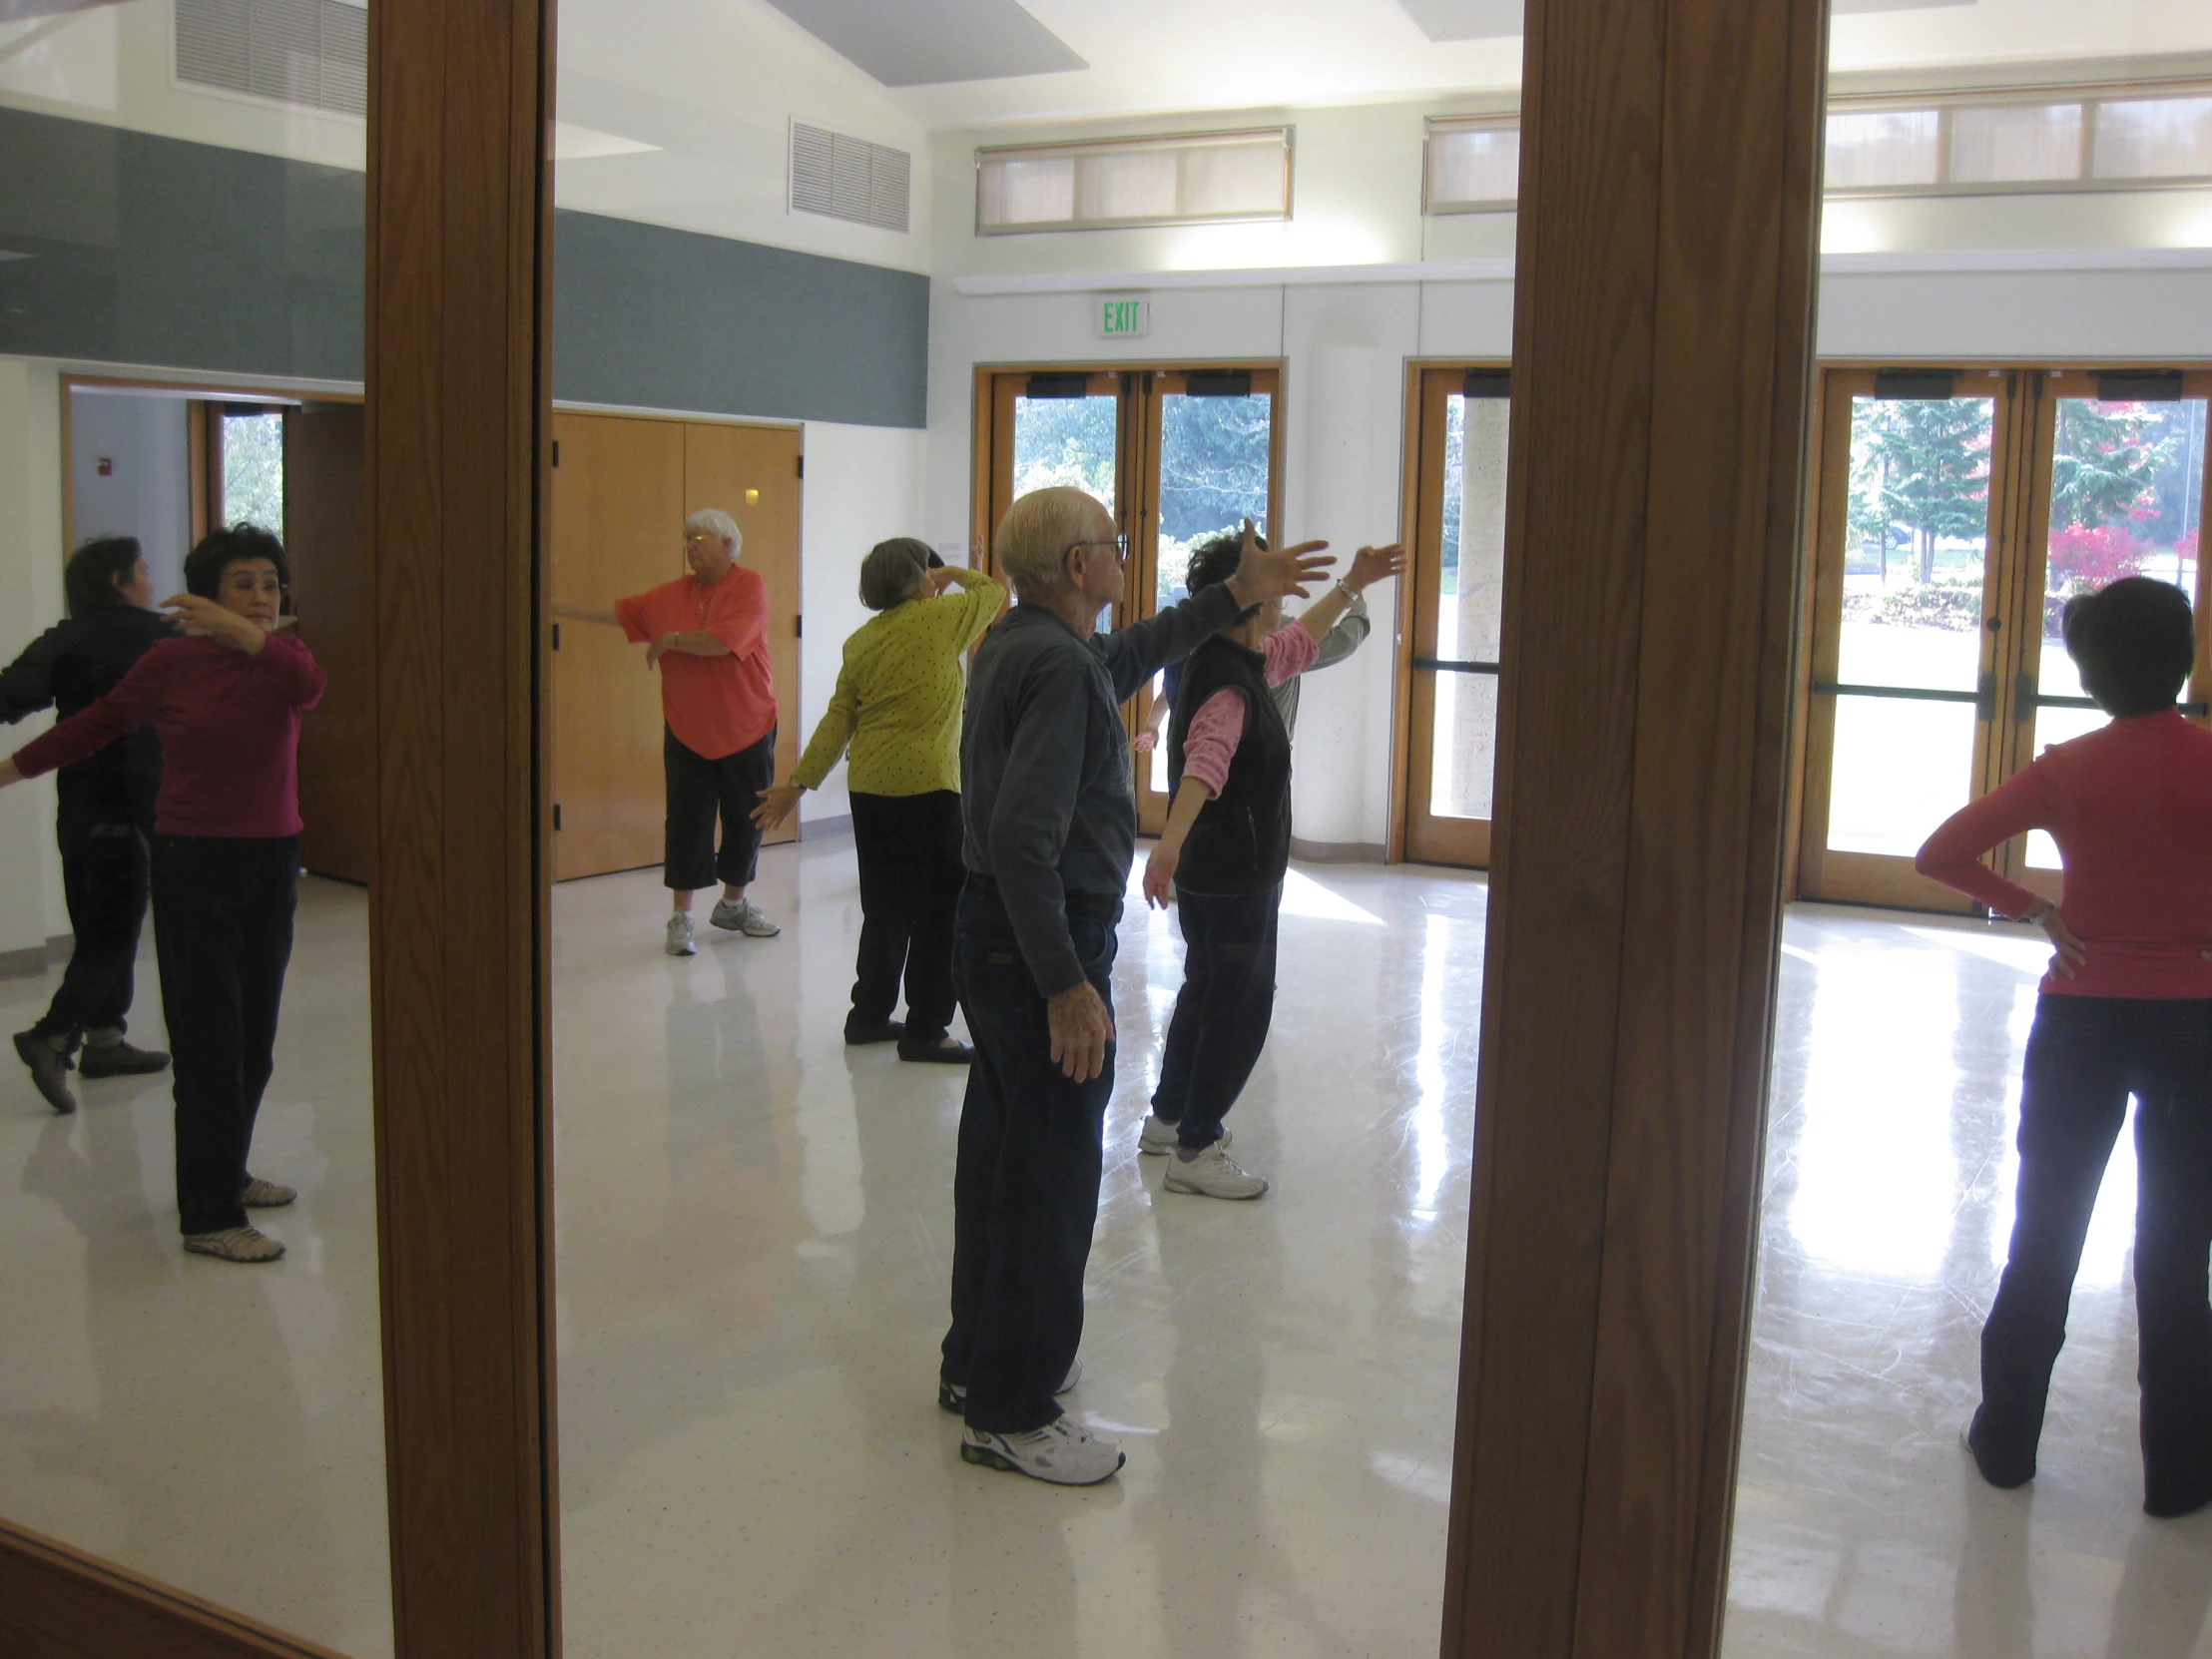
(766,232)
(1978,1293)
(190,1387)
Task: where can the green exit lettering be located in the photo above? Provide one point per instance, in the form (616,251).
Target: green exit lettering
(1123,317)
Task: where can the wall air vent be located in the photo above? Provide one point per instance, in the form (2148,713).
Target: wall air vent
(312,53)
(849,177)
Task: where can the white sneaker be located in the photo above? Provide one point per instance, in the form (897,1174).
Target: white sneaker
(1063,1452)
(679,940)
(952,1397)
(1157,1137)
(234,1244)
(1213,1175)
(743,916)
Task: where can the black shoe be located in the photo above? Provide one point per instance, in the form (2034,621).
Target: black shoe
(120,1059)
(945,1052)
(889,1032)
(49,1069)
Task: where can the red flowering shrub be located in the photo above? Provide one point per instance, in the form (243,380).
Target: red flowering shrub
(2086,556)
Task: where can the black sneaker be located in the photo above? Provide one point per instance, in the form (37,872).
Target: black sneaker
(49,1068)
(947,1051)
(889,1032)
(120,1059)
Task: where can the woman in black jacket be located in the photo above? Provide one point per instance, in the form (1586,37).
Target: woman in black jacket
(105,816)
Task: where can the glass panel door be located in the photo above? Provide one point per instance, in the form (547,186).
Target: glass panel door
(1458,580)
(1211,465)
(2120,493)
(1908,625)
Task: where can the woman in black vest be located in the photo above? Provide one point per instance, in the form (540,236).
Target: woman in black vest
(1224,849)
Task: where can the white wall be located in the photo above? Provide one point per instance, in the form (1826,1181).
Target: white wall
(146,492)
(862,485)
(31,909)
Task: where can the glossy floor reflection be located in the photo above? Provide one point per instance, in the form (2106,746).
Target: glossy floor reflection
(217,1427)
(1862,1528)
(754,1240)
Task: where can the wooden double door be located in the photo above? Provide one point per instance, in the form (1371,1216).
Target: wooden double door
(1178,453)
(1957,510)
(622,487)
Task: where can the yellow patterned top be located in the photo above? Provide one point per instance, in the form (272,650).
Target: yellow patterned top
(899,694)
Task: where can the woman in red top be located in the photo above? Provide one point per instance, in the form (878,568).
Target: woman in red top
(226,702)
(2125,1009)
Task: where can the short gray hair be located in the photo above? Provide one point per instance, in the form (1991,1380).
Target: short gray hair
(1033,539)
(892,571)
(713,521)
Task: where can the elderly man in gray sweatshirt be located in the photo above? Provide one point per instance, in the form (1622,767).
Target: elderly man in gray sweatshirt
(1050,828)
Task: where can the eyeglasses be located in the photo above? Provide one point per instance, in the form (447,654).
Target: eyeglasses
(1120,545)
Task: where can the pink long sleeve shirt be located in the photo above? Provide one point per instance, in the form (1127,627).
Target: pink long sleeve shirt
(2130,807)
(1214,730)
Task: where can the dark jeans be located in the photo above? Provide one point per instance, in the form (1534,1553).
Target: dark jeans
(1026,1189)
(910,876)
(2085,1056)
(1221,1013)
(696,789)
(222,933)
(104,883)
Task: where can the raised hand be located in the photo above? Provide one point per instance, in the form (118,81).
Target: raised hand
(1375,564)
(1262,575)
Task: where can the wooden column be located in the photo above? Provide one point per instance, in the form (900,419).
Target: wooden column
(1661,351)
(459,231)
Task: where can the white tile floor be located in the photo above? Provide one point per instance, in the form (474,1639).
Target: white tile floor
(754,1226)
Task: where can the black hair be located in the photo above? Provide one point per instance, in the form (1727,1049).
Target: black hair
(2134,642)
(221,549)
(88,580)
(1215,559)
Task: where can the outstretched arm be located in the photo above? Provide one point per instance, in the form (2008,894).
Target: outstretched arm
(1368,566)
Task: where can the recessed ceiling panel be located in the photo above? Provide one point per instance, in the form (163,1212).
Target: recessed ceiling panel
(1466,19)
(923,42)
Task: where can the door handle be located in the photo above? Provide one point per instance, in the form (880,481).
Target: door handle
(1986,698)
(2023,698)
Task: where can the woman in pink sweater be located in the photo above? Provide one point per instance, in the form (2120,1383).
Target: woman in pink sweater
(2127,1010)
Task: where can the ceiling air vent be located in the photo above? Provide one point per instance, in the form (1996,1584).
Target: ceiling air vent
(312,53)
(849,177)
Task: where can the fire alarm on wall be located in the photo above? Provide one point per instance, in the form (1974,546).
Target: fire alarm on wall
(107,466)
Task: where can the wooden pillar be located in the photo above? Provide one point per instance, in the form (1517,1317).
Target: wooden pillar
(459,231)
(1661,357)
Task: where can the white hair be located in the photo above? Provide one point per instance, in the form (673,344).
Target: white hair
(713,521)
(1035,535)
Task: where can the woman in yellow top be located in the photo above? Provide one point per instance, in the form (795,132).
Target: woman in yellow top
(898,705)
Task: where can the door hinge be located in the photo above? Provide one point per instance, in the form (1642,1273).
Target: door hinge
(556,451)
(556,636)
(556,814)
(799,626)
(1986,698)
(803,466)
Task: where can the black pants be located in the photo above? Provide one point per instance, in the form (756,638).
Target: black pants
(222,933)
(910,876)
(1025,1188)
(1221,1013)
(102,831)
(696,789)
(2085,1056)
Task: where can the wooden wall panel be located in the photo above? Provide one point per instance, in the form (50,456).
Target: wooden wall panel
(752,473)
(58,1603)
(618,529)
(1662,343)
(324,510)
(458,311)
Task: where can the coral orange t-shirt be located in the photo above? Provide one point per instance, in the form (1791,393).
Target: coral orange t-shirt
(716,705)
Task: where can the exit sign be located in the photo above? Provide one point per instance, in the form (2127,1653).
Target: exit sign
(1121,315)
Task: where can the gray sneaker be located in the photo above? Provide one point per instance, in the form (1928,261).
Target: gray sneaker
(1063,1452)
(234,1244)
(1213,1174)
(679,940)
(743,916)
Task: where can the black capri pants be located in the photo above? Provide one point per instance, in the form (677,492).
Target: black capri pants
(698,788)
